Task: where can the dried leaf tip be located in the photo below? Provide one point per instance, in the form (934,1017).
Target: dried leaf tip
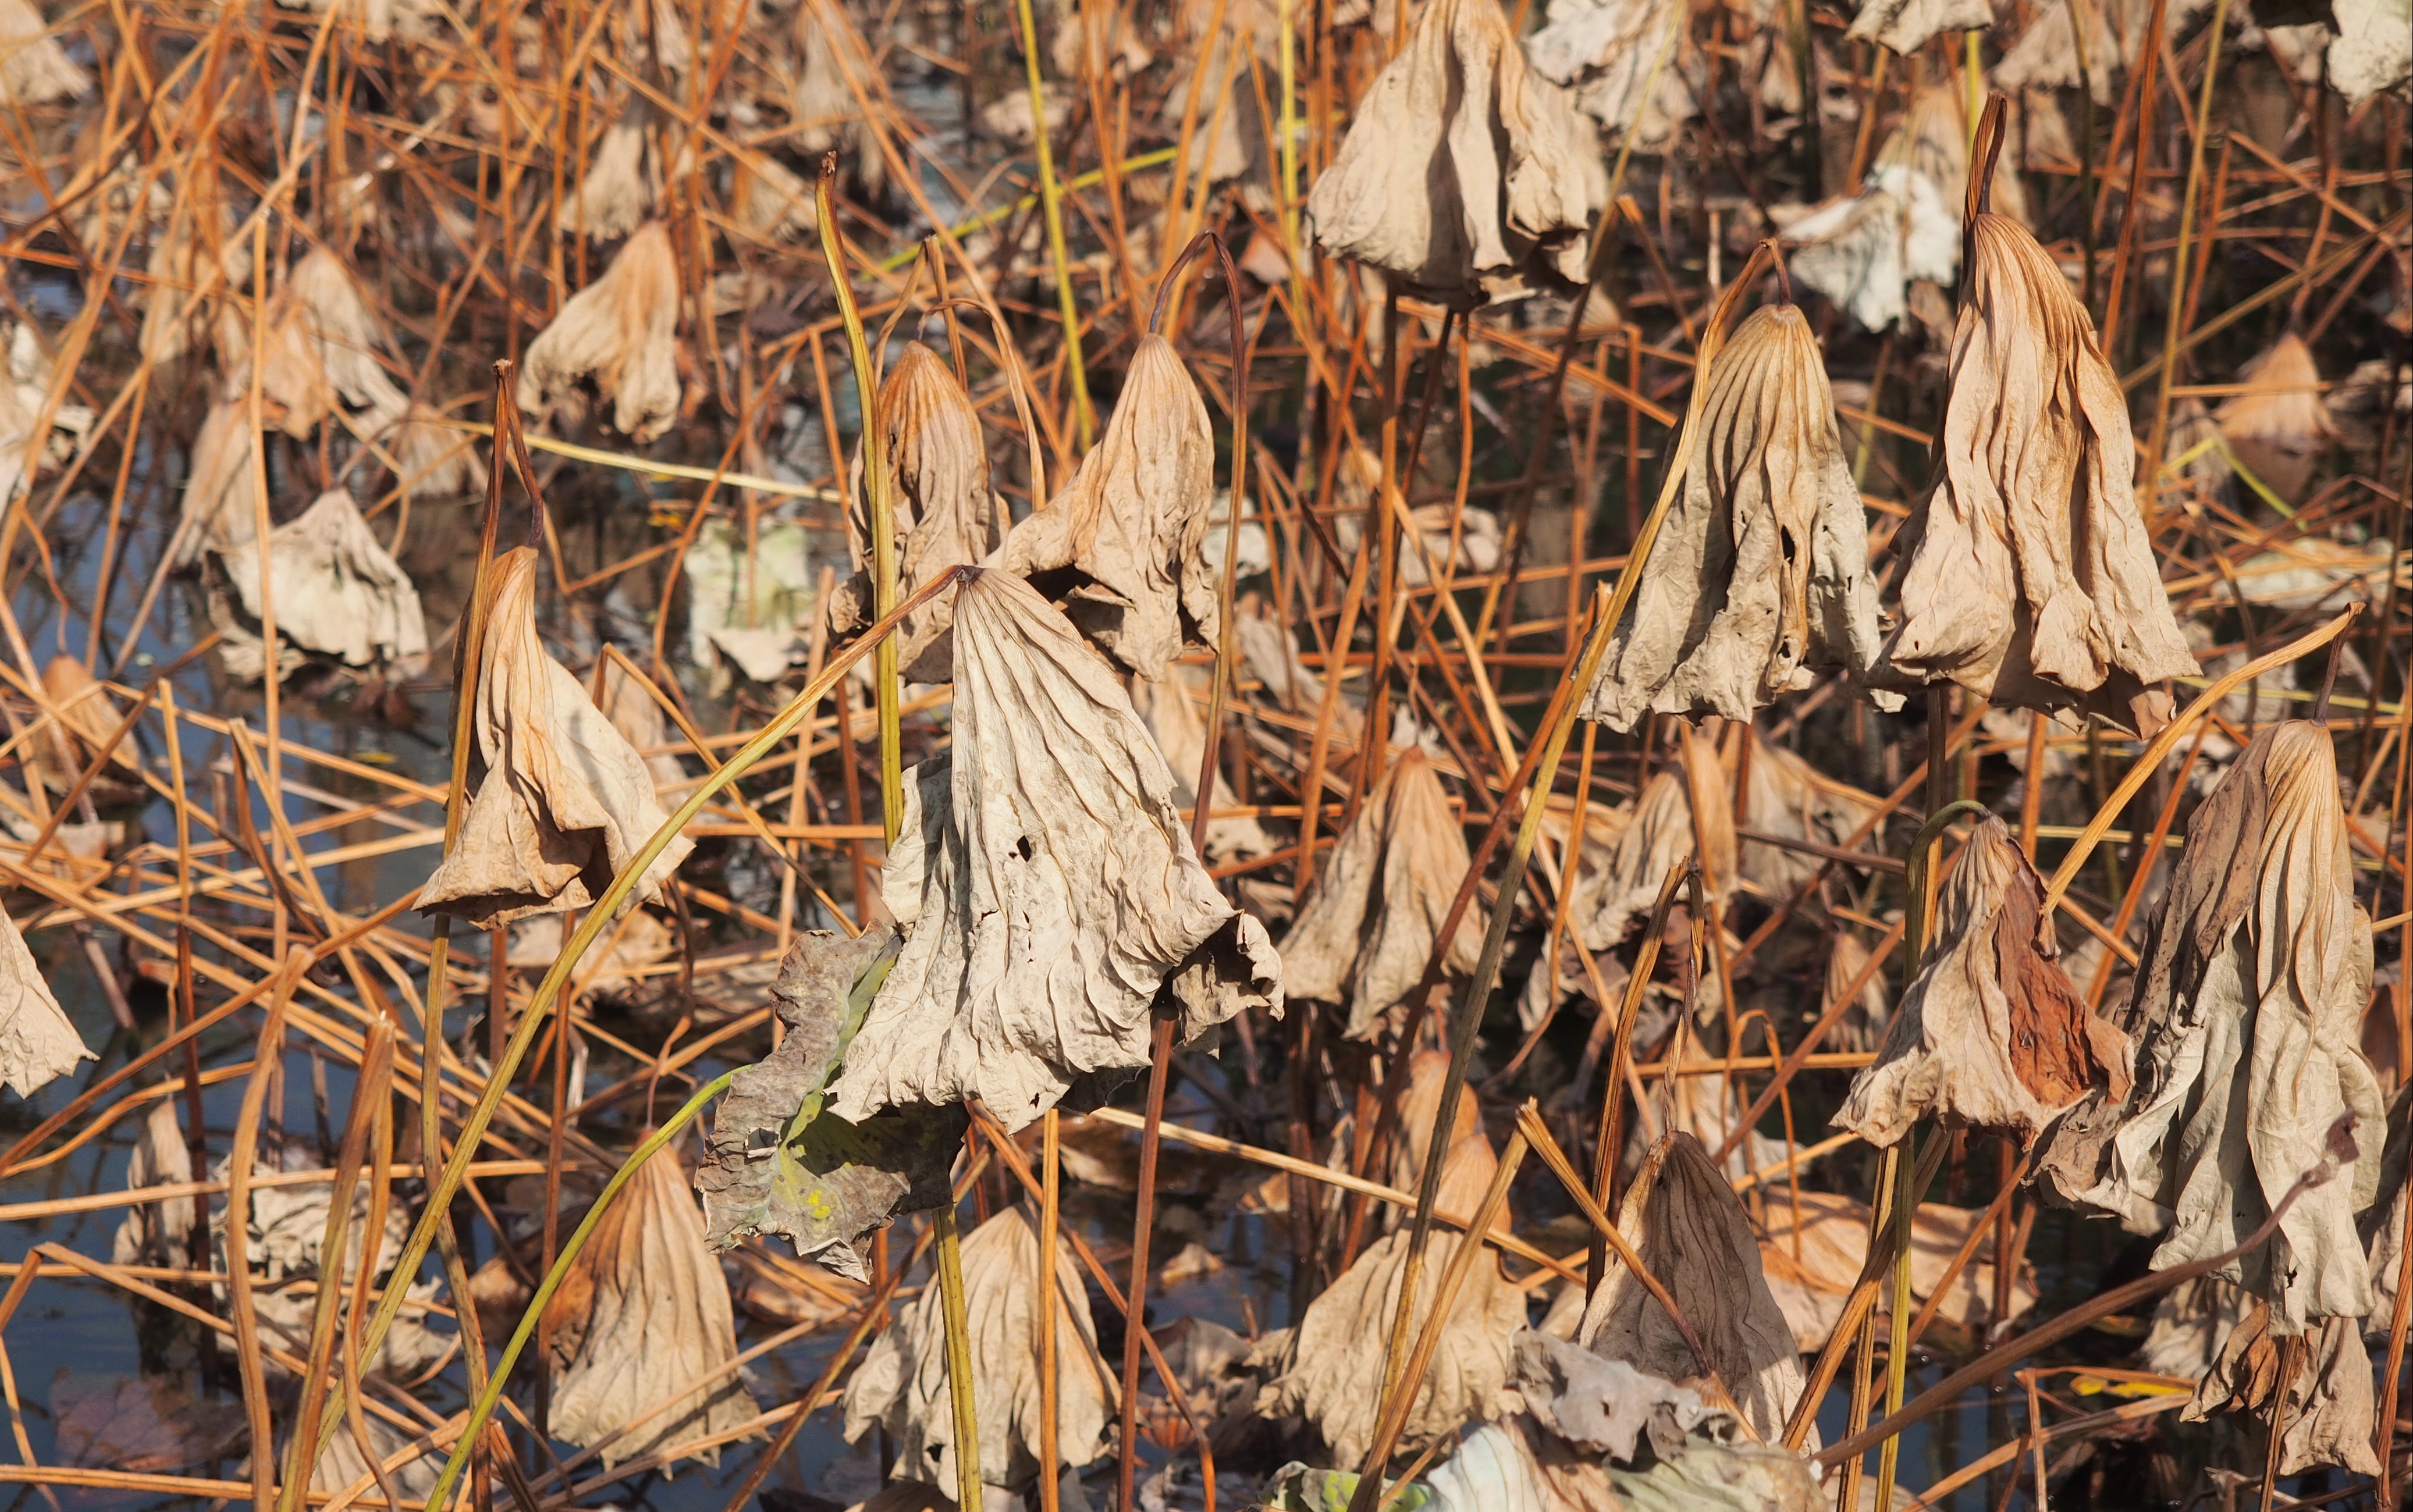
(560,801)
(1046,887)
(620,332)
(37,1043)
(1123,545)
(2247,1015)
(1462,171)
(317,358)
(945,513)
(2032,580)
(2278,425)
(1990,1034)
(1760,576)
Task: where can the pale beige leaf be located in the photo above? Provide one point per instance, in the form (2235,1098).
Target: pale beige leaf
(2329,1408)
(1661,833)
(560,801)
(1171,710)
(156,1232)
(1607,52)
(318,342)
(1904,25)
(1786,795)
(622,183)
(2374,50)
(33,69)
(637,714)
(37,1044)
(620,333)
(338,592)
(1047,885)
(1817,1242)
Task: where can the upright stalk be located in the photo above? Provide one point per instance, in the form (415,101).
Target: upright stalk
(1051,201)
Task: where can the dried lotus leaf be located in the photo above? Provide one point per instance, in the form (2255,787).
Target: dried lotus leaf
(341,1464)
(1381,899)
(1760,577)
(33,69)
(902,1382)
(622,183)
(1517,1465)
(1786,795)
(1171,709)
(560,801)
(220,509)
(2329,1408)
(1607,52)
(432,459)
(154,1233)
(1817,1243)
(1904,25)
(2373,54)
(1127,534)
(1466,1173)
(1694,1236)
(339,593)
(87,714)
(643,1316)
(1046,887)
(2278,425)
(621,332)
(1862,1025)
(1661,834)
(1990,1034)
(318,356)
(2032,580)
(1463,170)
(627,700)
(780,1163)
(38,1042)
(943,512)
(2247,1016)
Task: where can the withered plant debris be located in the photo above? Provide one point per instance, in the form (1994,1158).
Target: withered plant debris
(620,332)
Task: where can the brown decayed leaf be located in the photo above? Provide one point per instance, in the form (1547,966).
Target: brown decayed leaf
(1381,899)
(2328,1410)
(621,332)
(1761,574)
(559,801)
(643,1313)
(945,514)
(1988,1035)
(1122,542)
(37,1043)
(1662,833)
(2032,582)
(1047,885)
(902,1383)
(319,345)
(1463,170)
(1817,1242)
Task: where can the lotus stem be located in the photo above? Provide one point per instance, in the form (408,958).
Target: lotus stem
(2178,299)
(1051,200)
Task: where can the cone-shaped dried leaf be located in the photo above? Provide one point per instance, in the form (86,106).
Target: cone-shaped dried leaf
(826,107)
(87,717)
(780,1163)
(1461,170)
(221,496)
(1663,832)
(319,345)
(1171,709)
(1128,530)
(943,512)
(2247,1015)
(644,1317)
(1990,1034)
(2032,582)
(622,182)
(1904,25)
(2278,428)
(1607,51)
(2329,1407)
(338,592)
(433,459)
(636,715)
(1862,1025)
(1335,1367)
(2046,54)
(154,1233)
(2374,50)
(37,1044)
(1466,1171)
(1693,1236)
(190,255)
(1047,885)
(902,1383)
(619,331)
(559,800)
(1381,899)
(1760,577)
(33,69)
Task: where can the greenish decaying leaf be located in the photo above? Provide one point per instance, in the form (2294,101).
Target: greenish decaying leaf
(777,1164)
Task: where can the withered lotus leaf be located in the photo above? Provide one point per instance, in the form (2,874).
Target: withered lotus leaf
(632,707)
(1462,167)
(37,1043)
(644,1317)
(1904,25)
(36,69)
(1693,1236)
(1761,573)
(1046,887)
(621,331)
(88,715)
(902,1383)
(780,1163)
(1662,833)
(318,356)
(1127,533)
(153,1233)
(1784,794)
(2246,1014)
(2329,1408)
(1990,1034)
(1381,899)
(1817,1243)
(2277,425)
(944,513)
(560,801)
(1171,709)
(338,592)
(2032,582)
(1606,53)
(622,182)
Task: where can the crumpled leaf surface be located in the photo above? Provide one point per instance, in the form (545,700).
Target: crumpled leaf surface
(317,357)
(1046,887)
(780,1163)
(154,1233)
(1380,900)
(1127,532)
(1171,709)
(2278,425)
(2032,582)
(1460,169)
(142,1424)
(2247,1017)
(1517,1465)
(944,513)
(1692,1234)
(37,1043)
(643,1316)
(561,800)
(1818,1240)
(622,183)
(339,593)
(2374,50)
(1862,1025)
(2330,1408)
(341,1464)
(637,714)
(1990,1034)
(621,332)
(36,69)
(1786,795)
(1606,50)
(1760,576)
(1660,834)
(902,1383)
(1904,25)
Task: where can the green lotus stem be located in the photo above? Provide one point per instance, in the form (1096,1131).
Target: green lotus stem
(1051,199)
(1014,207)
(485,1407)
